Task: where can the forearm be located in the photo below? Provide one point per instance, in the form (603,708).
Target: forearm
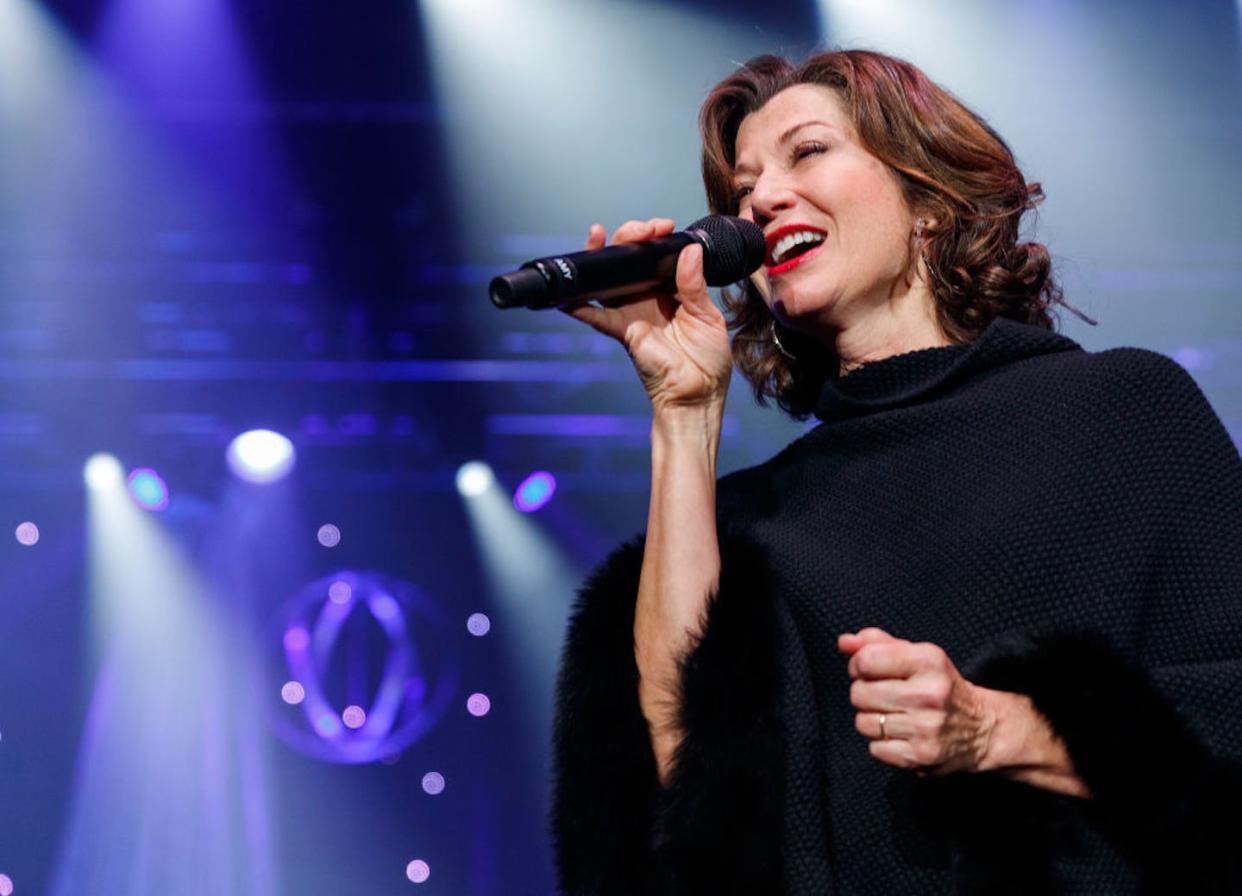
(1022,745)
(681,564)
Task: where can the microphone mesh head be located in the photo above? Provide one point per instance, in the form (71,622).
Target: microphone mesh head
(734,248)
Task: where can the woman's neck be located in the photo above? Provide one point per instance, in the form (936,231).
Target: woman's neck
(891,330)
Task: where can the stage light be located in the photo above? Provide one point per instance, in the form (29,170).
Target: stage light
(478,705)
(418,871)
(27,534)
(261,456)
(535,491)
(6,884)
(474,478)
(329,535)
(478,625)
(103,472)
(433,783)
(354,716)
(148,489)
(292,692)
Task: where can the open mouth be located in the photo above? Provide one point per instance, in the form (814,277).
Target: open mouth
(791,243)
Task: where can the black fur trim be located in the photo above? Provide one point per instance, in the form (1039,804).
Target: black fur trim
(605,779)
(718,823)
(1156,790)
(715,828)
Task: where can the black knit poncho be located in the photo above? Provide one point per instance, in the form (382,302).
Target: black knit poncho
(1064,524)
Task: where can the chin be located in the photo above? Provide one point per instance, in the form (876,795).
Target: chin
(799,312)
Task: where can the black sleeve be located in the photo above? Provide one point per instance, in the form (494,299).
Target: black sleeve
(714,827)
(1166,799)
(1150,710)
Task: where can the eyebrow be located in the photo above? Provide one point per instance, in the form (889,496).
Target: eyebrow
(784,138)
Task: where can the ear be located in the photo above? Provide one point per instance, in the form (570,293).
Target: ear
(924,227)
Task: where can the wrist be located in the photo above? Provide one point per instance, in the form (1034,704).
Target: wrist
(688,425)
(1008,716)
(1022,746)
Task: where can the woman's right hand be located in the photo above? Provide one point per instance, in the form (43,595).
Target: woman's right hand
(679,343)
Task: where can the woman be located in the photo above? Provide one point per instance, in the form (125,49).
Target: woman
(977,631)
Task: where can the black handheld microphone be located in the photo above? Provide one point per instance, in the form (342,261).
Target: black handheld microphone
(732,249)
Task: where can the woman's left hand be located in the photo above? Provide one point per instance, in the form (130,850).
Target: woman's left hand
(917,709)
(921,714)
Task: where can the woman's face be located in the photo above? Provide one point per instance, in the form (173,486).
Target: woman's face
(837,226)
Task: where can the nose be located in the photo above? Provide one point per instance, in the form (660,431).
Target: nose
(770,195)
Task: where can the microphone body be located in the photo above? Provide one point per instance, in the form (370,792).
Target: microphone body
(732,249)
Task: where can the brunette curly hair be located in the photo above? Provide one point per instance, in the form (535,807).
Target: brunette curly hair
(953,169)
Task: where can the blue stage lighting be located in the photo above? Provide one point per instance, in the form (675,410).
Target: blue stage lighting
(103,471)
(148,488)
(536,490)
(261,456)
(474,478)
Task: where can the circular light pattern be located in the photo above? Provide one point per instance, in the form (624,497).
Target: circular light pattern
(27,534)
(6,885)
(339,592)
(297,639)
(478,624)
(433,783)
(536,490)
(312,632)
(385,607)
(418,871)
(478,705)
(103,471)
(261,456)
(328,725)
(474,478)
(293,693)
(329,535)
(148,488)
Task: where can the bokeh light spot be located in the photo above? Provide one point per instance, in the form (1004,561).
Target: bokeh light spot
(27,534)
(340,592)
(478,705)
(478,624)
(433,783)
(329,535)
(148,488)
(354,716)
(535,491)
(418,871)
(6,885)
(293,693)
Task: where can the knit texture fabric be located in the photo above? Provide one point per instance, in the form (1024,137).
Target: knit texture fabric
(1064,524)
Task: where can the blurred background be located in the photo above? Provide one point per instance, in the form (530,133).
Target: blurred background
(318,659)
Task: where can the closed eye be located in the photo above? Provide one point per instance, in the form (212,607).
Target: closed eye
(810,148)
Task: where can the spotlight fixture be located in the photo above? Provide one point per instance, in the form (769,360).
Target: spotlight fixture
(474,478)
(261,456)
(103,471)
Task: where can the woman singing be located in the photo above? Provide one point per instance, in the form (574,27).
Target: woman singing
(980,630)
